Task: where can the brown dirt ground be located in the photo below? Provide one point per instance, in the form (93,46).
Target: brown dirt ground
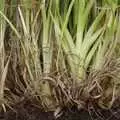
(28,111)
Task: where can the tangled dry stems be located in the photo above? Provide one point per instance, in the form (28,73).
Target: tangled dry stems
(104,84)
(101,86)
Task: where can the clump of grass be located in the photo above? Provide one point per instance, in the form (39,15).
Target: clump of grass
(58,51)
(91,42)
(106,68)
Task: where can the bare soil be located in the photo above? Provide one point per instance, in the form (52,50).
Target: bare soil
(29,111)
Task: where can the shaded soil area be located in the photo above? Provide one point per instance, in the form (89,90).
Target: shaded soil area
(29,111)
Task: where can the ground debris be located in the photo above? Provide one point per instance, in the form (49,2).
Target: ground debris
(28,111)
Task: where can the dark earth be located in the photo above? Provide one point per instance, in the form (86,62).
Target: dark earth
(29,111)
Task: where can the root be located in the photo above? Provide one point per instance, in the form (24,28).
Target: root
(104,85)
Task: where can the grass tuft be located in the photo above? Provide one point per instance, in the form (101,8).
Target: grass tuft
(60,53)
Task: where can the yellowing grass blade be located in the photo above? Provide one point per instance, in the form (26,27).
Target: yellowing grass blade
(3,78)
(11,25)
